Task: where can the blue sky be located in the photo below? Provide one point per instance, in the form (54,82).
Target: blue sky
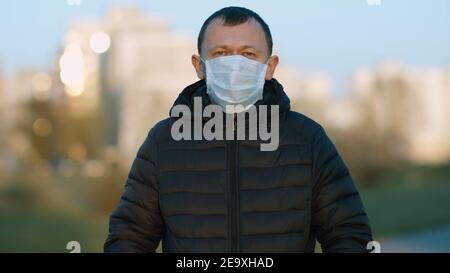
(315,35)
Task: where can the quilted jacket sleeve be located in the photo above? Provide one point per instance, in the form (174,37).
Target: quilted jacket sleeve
(338,215)
(136,224)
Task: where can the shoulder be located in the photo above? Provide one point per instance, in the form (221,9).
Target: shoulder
(308,129)
(161,130)
(158,133)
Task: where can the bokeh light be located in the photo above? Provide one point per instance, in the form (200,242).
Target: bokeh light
(100,42)
(42,127)
(77,151)
(42,83)
(71,64)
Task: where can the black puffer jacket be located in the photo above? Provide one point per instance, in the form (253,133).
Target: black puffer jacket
(228,196)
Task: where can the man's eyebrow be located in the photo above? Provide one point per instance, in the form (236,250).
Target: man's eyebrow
(249,47)
(241,47)
(220,46)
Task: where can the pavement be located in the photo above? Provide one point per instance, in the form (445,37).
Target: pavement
(433,241)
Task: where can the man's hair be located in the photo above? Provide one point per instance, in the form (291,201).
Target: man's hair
(233,16)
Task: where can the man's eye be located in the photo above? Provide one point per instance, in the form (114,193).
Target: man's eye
(219,53)
(249,54)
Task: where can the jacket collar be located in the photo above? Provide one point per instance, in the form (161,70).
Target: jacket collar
(273,94)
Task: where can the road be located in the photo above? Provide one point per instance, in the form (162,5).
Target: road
(437,240)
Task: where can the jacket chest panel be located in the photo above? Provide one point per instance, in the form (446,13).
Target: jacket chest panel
(198,191)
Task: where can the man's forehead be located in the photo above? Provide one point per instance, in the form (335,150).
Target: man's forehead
(247,34)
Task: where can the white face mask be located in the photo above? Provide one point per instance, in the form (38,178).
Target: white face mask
(235,80)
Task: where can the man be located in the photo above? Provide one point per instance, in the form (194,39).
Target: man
(229,195)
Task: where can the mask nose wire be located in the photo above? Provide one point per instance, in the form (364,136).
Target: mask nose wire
(266,62)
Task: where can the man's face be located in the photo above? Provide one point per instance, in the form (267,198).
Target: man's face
(247,39)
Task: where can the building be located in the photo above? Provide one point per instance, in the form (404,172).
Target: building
(411,105)
(129,66)
(310,93)
(145,69)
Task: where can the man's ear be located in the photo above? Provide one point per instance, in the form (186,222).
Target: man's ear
(198,66)
(271,66)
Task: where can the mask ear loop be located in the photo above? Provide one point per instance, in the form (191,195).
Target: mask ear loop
(203,61)
(203,66)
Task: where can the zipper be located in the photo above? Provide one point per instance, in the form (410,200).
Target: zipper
(233,192)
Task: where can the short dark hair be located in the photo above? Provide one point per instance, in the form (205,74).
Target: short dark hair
(233,16)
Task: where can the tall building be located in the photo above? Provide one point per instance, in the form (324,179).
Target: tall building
(145,69)
(310,93)
(411,105)
(79,64)
(430,115)
(128,65)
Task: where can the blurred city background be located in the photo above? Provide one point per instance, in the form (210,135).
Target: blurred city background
(81,83)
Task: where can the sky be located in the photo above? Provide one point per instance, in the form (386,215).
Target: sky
(335,37)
